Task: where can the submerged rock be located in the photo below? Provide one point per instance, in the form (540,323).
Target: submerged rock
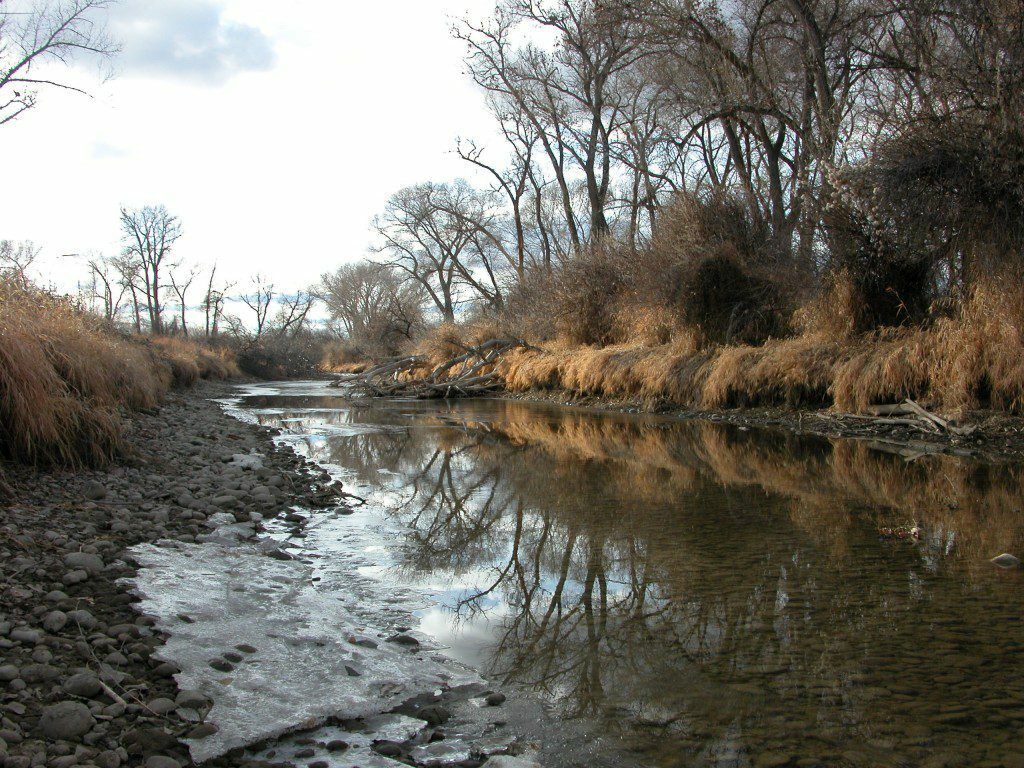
(1005,560)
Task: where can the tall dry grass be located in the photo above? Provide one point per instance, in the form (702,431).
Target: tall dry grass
(970,359)
(66,378)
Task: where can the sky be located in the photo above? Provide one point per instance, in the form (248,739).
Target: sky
(274,130)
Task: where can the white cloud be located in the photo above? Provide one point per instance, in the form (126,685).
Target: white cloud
(278,170)
(187,39)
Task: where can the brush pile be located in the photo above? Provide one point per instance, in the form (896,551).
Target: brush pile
(473,372)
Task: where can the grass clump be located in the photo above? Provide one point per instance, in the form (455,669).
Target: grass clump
(67,377)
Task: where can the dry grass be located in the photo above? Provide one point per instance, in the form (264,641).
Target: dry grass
(65,379)
(190,361)
(971,359)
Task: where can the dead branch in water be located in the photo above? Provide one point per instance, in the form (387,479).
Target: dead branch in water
(470,373)
(909,413)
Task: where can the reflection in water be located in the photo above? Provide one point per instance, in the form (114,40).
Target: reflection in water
(717,597)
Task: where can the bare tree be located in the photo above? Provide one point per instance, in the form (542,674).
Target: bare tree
(106,285)
(293,315)
(40,34)
(180,284)
(149,234)
(16,259)
(371,303)
(259,301)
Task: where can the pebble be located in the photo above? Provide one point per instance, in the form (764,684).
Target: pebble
(84,684)
(67,720)
(161,761)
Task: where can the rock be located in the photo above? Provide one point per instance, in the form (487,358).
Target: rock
(403,639)
(385,748)
(161,761)
(55,621)
(84,684)
(85,561)
(495,699)
(508,761)
(67,720)
(434,714)
(191,700)
(94,491)
(83,618)
(9,672)
(202,730)
(1005,560)
(107,759)
(161,706)
(246,648)
(39,673)
(305,752)
(337,745)
(26,635)
(221,665)
(75,577)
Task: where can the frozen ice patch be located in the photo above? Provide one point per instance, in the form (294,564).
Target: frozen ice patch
(237,599)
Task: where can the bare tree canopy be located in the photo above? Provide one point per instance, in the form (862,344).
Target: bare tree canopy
(40,34)
(149,234)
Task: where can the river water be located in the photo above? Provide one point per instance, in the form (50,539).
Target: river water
(706,595)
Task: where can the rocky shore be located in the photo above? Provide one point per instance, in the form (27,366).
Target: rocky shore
(79,678)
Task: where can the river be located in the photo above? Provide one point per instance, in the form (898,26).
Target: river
(706,595)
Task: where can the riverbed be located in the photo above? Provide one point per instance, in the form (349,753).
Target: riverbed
(710,595)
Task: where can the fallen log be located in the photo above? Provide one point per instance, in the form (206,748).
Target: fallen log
(463,375)
(917,416)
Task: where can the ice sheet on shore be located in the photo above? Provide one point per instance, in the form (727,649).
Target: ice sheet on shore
(231,595)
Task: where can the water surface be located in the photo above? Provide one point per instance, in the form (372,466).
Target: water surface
(711,596)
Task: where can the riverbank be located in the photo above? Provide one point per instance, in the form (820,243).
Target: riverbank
(992,436)
(83,681)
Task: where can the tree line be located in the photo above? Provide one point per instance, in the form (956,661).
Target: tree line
(772,147)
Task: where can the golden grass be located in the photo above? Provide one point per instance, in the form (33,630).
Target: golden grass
(65,378)
(971,359)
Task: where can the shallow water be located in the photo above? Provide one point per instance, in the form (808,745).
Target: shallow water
(708,595)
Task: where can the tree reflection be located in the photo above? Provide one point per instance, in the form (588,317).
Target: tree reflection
(725,589)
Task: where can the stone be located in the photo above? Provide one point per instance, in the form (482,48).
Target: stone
(9,672)
(83,618)
(337,745)
(75,577)
(161,706)
(94,491)
(107,759)
(84,684)
(385,748)
(85,561)
(68,720)
(495,699)
(434,714)
(509,761)
(1005,560)
(202,730)
(191,700)
(26,635)
(39,673)
(55,621)
(161,761)
(403,639)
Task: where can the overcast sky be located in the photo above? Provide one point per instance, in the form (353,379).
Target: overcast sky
(274,130)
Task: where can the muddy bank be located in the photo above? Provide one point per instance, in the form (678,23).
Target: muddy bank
(995,436)
(84,675)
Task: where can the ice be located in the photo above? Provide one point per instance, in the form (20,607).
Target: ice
(303,633)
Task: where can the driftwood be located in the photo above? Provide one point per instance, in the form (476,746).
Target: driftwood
(910,414)
(464,375)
